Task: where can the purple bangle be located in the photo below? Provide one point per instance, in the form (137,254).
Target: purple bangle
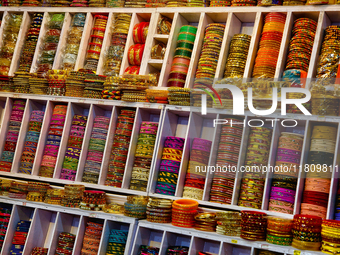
(100,125)
(165,192)
(277,189)
(58,117)
(172,163)
(283,151)
(289,159)
(200,147)
(288,200)
(166,186)
(201,142)
(169,169)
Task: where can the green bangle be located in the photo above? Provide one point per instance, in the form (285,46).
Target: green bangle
(185,45)
(186,37)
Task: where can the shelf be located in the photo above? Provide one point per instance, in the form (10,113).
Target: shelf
(156,63)
(161,38)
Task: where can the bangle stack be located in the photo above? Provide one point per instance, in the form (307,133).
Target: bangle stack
(31,142)
(39,251)
(175,250)
(330,233)
(266,58)
(54,196)
(307,232)
(20,236)
(135,206)
(38,85)
(113,208)
(282,196)
(135,52)
(10,37)
(117,242)
(93,200)
(157,96)
(111,90)
(65,243)
(143,155)
(183,213)
(73,195)
(14,126)
(56,82)
(94,85)
(75,141)
(50,44)
(96,149)
(18,190)
(253,181)
(211,48)
(205,222)
(237,57)
(254,225)
(97,36)
(5,215)
(279,231)
(227,156)
(179,96)
(5,185)
(182,56)
(169,166)
(317,183)
(21,79)
(329,56)
(164,25)
(120,148)
(53,141)
(196,173)
(144,249)
(73,41)
(93,233)
(37,191)
(75,84)
(228,223)
(115,52)
(159,210)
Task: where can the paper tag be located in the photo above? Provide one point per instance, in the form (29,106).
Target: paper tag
(321,118)
(81,101)
(146,105)
(24,203)
(178,108)
(93,215)
(15,95)
(160,107)
(124,104)
(233,241)
(296,252)
(57,99)
(101,102)
(264,246)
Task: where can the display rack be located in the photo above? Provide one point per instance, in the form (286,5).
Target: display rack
(48,221)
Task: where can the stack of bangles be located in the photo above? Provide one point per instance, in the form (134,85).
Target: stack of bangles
(337,205)
(50,45)
(317,183)
(5,185)
(227,155)
(31,142)
(146,250)
(54,196)
(179,96)
(115,53)
(254,225)
(270,42)
(73,195)
(169,166)
(211,48)
(279,231)
(120,147)
(114,208)
(157,96)
(91,241)
(56,82)
(96,148)
(93,200)
(143,155)
(95,46)
(18,190)
(75,84)
(117,241)
(135,206)
(111,90)
(307,232)
(159,210)
(237,57)
(330,233)
(5,215)
(135,52)
(183,213)
(51,150)
(65,243)
(20,236)
(253,181)
(37,191)
(93,85)
(282,196)
(205,222)
(181,61)
(39,251)
(75,142)
(176,250)
(14,126)
(228,223)
(195,180)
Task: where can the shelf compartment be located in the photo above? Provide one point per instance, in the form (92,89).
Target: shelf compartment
(237,23)
(204,245)
(231,249)
(149,237)
(174,239)
(65,223)
(175,123)
(41,230)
